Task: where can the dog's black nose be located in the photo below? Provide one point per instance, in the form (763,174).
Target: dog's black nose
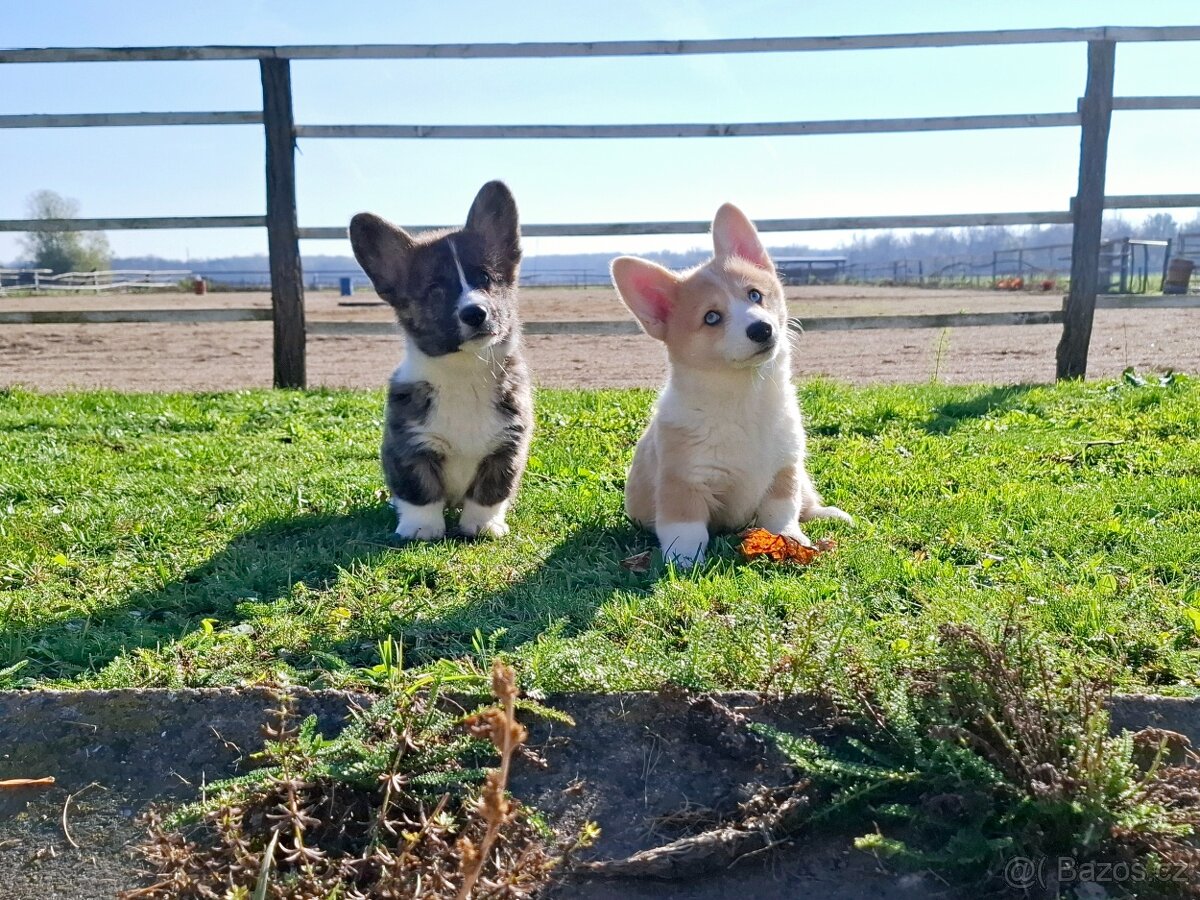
(759,332)
(473,315)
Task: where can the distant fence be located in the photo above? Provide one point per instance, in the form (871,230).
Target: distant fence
(1127,265)
(97,282)
(1092,116)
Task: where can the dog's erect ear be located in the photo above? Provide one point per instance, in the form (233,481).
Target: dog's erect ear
(648,290)
(735,235)
(383,250)
(493,217)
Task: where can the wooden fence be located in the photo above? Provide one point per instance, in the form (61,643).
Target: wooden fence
(1092,116)
(95,282)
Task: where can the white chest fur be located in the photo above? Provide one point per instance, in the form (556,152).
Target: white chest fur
(463,424)
(739,442)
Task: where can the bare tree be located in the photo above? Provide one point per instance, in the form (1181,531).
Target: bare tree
(1159,226)
(63,251)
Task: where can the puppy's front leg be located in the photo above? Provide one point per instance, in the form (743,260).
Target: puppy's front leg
(412,471)
(490,492)
(417,493)
(681,520)
(779,512)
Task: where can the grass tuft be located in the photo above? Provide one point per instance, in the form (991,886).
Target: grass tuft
(397,805)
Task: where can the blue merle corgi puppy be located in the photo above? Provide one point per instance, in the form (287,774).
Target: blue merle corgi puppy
(460,407)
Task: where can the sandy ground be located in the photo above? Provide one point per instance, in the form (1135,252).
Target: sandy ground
(238,355)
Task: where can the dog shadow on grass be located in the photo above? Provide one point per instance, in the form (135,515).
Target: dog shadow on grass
(265,566)
(561,593)
(261,566)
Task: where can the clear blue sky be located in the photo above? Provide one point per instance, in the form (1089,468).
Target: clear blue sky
(218,170)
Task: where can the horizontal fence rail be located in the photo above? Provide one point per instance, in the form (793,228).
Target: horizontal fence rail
(646,130)
(616,328)
(549,50)
(1127,103)
(1092,116)
(111,120)
(1152,201)
(692,130)
(148,223)
(132,316)
(585,229)
(701,226)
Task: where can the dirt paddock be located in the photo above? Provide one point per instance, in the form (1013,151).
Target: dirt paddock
(224,356)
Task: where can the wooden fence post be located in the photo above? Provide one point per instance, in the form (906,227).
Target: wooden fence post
(1088,211)
(283,233)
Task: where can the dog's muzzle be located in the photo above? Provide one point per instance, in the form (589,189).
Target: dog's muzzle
(473,315)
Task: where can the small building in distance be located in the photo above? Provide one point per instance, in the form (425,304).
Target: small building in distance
(810,269)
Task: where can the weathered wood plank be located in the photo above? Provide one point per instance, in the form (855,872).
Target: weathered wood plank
(126,224)
(131,54)
(1156,103)
(691,130)
(180,316)
(819,323)
(283,239)
(930,320)
(199,315)
(1141,301)
(542,50)
(1140,34)
(1150,201)
(826,223)
(111,120)
(1080,305)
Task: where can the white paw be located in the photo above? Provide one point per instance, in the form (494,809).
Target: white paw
(420,523)
(798,535)
(683,543)
(407,532)
(682,560)
(496,528)
(483,521)
(779,518)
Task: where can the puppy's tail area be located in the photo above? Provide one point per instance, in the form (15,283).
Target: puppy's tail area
(812,507)
(825,512)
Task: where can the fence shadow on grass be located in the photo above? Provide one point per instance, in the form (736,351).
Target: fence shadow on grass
(949,416)
(261,566)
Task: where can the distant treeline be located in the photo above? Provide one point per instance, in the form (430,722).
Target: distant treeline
(884,247)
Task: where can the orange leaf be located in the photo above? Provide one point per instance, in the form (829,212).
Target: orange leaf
(758,542)
(27,782)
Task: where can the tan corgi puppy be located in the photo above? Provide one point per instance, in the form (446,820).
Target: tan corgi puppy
(725,447)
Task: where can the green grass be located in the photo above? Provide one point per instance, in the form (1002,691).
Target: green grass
(232,538)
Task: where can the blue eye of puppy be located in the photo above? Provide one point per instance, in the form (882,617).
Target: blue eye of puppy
(712,317)
(755,295)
